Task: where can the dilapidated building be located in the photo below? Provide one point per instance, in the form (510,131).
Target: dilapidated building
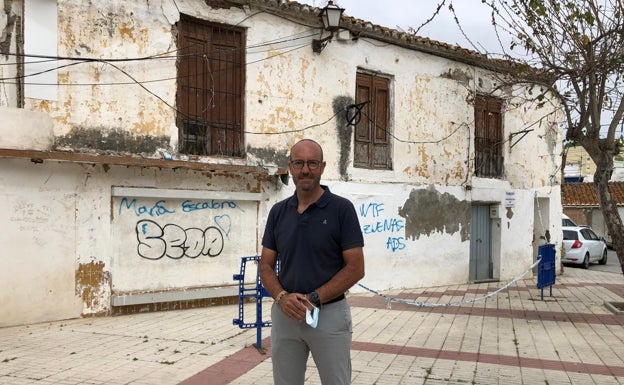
(143,142)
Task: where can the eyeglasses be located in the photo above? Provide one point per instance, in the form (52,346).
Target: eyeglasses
(312,164)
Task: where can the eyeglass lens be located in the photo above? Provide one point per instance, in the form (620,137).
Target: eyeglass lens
(312,164)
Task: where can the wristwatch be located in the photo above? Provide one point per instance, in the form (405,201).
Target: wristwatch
(314,298)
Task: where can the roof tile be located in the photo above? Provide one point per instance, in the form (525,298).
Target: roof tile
(584,194)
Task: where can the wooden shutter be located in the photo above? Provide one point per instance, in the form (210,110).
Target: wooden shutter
(210,88)
(363,142)
(372,146)
(381,148)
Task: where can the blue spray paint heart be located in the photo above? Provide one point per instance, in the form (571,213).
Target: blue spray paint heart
(224,222)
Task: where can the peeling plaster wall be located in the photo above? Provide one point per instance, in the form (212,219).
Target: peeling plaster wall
(402,242)
(422,234)
(542,146)
(104,98)
(289,94)
(65,247)
(419,236)
(415,217)
(431,115)
(61,243)
(427,196)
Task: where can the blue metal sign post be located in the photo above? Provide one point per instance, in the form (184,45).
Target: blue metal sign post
(245,293)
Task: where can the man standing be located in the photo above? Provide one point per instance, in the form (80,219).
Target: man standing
(317,239)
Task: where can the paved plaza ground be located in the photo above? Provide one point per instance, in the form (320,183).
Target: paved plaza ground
(512,337)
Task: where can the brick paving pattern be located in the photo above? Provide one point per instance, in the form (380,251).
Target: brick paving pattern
(513,337)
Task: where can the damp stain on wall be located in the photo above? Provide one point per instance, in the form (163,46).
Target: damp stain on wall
(110,141)
(91,282)
(458,75)
(345,132)
(270,155)
(8,29)
(428,211)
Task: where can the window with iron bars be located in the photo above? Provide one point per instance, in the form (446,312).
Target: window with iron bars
(489,160)
(211,80)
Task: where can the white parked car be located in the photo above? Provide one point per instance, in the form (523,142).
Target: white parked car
(566,221)
(582,246)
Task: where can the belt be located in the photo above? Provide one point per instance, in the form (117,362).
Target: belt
(339,298)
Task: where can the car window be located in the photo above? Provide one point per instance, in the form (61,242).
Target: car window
(567,221)
(588,234)
(570,235)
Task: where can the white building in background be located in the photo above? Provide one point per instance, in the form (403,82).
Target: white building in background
(580,167)
(148,175)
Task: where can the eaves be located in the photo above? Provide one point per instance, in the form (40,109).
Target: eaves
(136,161)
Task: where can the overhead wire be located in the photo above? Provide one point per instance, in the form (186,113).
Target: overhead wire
(159,56)
(253,49)
(393,136)
(296,130)
(174,55)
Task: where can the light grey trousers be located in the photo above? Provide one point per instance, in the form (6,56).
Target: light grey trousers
(329,343)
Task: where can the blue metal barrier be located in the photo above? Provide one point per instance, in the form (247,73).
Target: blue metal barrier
(546,267)
(256,292)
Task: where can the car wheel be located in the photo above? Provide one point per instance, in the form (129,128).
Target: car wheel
(603,261)
(585,263)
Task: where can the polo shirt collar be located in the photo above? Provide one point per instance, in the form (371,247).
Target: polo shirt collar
(321,202)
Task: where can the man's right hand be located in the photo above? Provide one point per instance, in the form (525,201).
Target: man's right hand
(293,305)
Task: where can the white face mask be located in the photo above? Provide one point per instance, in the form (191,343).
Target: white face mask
(312,316)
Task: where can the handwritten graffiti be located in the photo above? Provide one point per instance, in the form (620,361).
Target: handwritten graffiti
(157,209)
(224,223)
(162,207)
(395,244)
(391,225)
(172,241)
(212,204)
(373,223)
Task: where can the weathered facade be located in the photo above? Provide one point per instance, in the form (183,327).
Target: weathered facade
(149,172)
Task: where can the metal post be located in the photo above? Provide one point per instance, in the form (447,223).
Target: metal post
(258,292)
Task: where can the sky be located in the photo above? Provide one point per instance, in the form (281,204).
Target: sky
(403,14)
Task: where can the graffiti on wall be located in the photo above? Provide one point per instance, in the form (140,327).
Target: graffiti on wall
(173,239)
(166,239)
(375,221)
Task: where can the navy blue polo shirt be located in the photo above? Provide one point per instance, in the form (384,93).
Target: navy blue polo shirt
(309,245)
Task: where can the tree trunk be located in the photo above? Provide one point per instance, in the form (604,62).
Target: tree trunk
(609,210)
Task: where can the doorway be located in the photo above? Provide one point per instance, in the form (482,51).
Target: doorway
(480,268)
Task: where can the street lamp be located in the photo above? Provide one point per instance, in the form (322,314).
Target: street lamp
(330,15)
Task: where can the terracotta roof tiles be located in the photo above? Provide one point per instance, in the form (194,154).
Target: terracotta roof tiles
(584,194)
(364,28)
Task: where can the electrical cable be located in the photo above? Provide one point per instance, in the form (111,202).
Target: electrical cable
(159,56)
(294,131)
(357,118)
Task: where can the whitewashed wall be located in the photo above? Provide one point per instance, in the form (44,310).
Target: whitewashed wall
(74,239)
(71,245)
(38,237)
